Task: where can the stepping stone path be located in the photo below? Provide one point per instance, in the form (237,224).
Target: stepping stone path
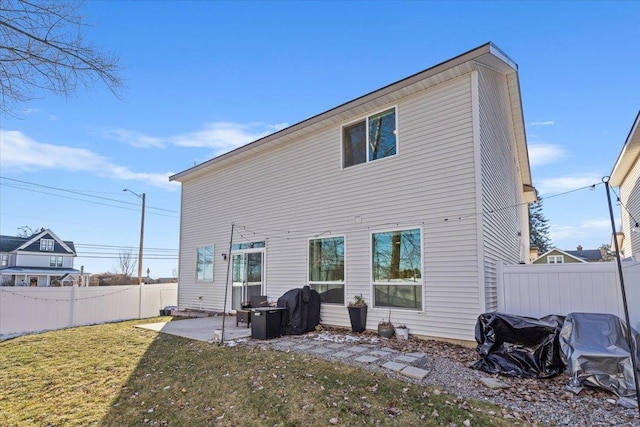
(410,365)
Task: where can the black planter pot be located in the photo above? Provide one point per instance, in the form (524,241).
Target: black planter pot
(358,317)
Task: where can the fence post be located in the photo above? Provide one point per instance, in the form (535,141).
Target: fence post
(74,305)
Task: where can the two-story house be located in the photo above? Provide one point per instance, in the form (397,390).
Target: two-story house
(626,176)
(409,196)
(42,259)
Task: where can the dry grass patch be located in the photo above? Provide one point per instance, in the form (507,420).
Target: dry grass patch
(117,375)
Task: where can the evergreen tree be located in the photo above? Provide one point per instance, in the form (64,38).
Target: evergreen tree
(538,227)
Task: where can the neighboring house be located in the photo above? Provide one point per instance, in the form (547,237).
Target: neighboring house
(626,176)
(558,256)
(39,260)
(409,196)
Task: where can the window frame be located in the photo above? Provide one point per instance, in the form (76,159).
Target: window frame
(344,268)
(4,260)
(56,261)
(555,259)
(366,120)
(204,277)
(420,282)
(47,245)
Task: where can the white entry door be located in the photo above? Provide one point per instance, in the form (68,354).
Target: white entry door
(247,281)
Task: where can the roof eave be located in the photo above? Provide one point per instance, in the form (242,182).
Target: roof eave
(628,155)
(487,54)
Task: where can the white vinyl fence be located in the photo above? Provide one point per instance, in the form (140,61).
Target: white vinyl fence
(539,290)
(25,310)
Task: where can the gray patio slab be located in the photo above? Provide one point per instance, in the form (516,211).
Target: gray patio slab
(394,366)
(406,359)
(321,350)
(335,346)
(381,353)
(366,359)
(285,343)
(342,354)
(201,328)
(358,349)
(414,372)
(303,347)
(417,355)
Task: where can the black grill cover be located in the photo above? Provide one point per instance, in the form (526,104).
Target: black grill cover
(519,346)
(303,310)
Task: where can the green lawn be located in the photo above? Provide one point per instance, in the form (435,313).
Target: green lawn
(118,375)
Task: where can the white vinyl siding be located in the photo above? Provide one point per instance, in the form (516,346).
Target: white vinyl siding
(630,196)
(40,260)
(290,193)
(502,205)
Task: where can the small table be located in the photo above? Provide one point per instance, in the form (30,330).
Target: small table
(267,322)
(243,316)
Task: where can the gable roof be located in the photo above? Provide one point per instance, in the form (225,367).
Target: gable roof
(628,156)
(32,243)
(488,55)
(589,255)
(561,252)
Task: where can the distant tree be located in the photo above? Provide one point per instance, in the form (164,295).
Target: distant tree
(42,50)
(126,264)
(606,252)
(538,227)
(26,231)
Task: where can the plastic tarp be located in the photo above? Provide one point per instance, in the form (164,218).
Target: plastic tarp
(303,310)
(519,346)
(596,352)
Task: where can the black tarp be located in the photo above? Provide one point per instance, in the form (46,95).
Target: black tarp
(303,310)
(519,346)
(597,354)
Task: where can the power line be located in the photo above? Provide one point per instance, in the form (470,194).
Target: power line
(91,245)
(76,192)
(287,234)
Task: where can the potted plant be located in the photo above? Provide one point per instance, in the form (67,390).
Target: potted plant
(385,327)
(358,313)
(402,331)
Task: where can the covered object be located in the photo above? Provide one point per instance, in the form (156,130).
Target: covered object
(303,310)
(519,346)
(597,354)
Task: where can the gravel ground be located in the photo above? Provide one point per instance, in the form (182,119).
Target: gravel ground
(538,402)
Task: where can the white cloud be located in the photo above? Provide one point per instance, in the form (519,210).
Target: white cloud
(545,123)
(225,135)
(221,136)
(135,139)
(23,153)
(543,154)
(550,186)
(591,233)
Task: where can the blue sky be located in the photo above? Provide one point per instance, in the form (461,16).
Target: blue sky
(206,77)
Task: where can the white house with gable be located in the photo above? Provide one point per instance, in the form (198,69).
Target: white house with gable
(409,196)
(42,259)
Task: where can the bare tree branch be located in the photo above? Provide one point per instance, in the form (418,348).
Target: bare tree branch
(42,50)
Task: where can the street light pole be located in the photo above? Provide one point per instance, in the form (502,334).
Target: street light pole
(143,197)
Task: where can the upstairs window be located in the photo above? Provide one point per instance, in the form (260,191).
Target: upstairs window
(5,260)
(46,245)
(55,261)
(204,264)
(370,139)
(555,259)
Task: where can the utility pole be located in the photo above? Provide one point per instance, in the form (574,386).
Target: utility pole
(140,248)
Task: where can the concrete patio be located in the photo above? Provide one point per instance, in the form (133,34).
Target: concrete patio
(201,328)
